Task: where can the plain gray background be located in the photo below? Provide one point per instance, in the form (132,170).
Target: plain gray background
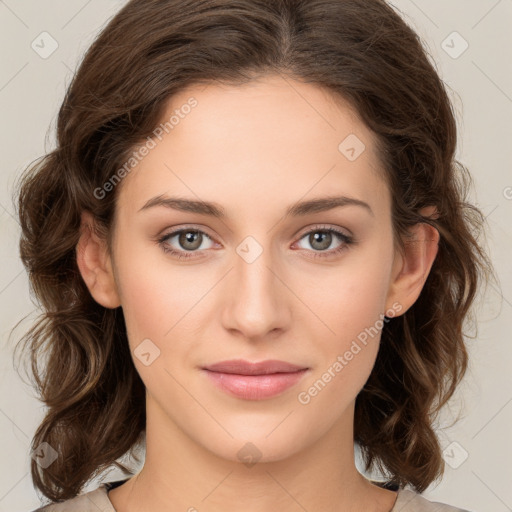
(478,449)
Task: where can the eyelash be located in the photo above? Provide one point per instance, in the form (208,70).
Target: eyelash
(346,239)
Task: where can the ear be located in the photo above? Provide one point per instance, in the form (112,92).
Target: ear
(410,271)
(95,264)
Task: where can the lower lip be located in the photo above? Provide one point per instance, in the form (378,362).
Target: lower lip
(255,387)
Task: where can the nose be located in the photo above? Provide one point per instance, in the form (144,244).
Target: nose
(257,298)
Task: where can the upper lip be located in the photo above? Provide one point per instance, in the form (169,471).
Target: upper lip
(242,367)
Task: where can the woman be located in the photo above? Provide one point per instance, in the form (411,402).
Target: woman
(253,250)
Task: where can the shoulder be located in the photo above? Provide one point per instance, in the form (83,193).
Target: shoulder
(93,501)
(410,501)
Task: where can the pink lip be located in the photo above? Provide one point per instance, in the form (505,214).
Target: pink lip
(254,381)
(241,367)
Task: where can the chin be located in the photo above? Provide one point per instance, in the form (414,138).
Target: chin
(252,445)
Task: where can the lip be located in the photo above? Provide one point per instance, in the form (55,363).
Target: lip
(242,367)
(254,381)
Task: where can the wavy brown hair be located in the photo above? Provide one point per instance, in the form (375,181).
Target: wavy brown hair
(359,50)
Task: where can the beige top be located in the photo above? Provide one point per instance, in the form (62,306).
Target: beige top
(98,501)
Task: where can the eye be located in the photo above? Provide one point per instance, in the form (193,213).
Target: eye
(322,238)
(188,241)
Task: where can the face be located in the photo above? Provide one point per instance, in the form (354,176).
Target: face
(309,287)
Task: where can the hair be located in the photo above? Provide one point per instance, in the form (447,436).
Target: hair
(361,51)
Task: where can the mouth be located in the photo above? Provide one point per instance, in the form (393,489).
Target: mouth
(254,381)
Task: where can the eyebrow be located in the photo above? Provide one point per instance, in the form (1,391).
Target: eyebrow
(303,208)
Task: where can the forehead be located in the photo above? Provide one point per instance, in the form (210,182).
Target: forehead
(273,139)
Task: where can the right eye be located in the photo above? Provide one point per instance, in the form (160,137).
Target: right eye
(190,240)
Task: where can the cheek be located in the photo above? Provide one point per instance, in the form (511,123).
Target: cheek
(351,298)
(145,305)
(346,356)
(349,308)
(155,295)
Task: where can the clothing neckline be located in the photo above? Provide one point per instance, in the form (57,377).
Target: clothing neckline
(391,486)
(403,495)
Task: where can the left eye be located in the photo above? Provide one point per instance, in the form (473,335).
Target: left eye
(321,239)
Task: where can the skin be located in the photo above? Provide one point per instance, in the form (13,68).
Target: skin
(254,149)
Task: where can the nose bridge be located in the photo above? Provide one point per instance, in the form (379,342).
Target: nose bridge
(256,304)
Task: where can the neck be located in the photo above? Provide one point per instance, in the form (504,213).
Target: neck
(181,474)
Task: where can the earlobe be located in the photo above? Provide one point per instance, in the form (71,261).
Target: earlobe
(410,270)
(95,264)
